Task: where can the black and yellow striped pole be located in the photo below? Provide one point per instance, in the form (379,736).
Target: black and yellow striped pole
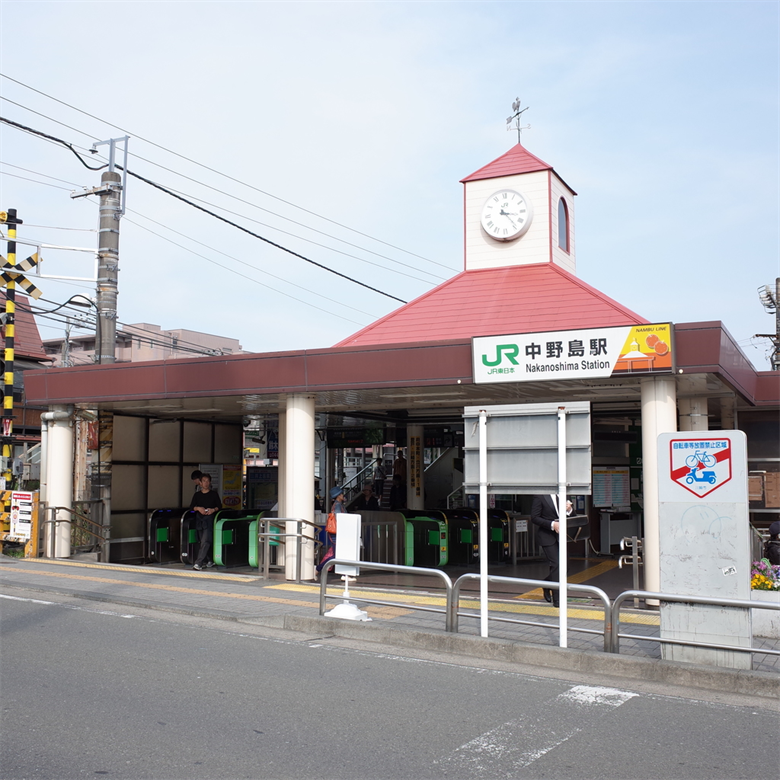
(12,221)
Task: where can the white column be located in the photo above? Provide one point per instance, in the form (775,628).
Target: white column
(281,472)
(60,479)
(299,480)
(728,418)
(415,477)
(692,403)
(659,415)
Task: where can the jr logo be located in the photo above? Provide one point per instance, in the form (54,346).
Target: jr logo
(511,351)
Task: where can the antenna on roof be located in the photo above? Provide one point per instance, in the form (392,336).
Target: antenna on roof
(516,116)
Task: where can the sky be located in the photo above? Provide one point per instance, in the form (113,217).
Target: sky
(341,131)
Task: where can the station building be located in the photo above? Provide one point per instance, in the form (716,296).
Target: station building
(516,326)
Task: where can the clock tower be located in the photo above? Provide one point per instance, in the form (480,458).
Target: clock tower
(518,211)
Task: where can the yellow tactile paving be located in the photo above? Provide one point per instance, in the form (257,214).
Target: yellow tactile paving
(582,613)
(156,570)
(378,611)
(575,579)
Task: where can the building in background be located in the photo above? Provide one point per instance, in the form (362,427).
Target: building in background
(139,342)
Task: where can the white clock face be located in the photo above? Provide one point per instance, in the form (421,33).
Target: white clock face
(506,215)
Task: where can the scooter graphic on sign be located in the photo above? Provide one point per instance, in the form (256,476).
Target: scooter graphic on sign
(698,462)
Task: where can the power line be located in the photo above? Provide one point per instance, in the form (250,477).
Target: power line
(230,257)
(219,173)
(210,213)
(271,227)
(244,276)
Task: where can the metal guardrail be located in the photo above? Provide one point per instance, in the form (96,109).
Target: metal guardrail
(390,567)
(587,589)
(265,537)
(102,536)
(675,598)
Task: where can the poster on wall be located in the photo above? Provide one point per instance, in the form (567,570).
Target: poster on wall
(232,486)
(214,470)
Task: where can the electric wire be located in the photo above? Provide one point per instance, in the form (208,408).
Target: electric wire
(261,208)
(243,216)
(230,257)
(213,170)
(244,276)
(220,265)
(210,213)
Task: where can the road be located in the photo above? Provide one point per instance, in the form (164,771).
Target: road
(91,692)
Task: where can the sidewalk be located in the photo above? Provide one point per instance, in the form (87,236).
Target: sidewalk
(278,603)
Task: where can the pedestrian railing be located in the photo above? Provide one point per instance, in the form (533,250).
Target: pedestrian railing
(438,573)
(674,598)
(588,590)
(266,537)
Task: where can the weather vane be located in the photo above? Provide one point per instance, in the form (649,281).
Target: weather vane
(516,116)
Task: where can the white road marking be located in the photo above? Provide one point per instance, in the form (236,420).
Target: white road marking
(66,606)
(518,743)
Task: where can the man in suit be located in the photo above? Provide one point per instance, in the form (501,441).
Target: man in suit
(544,515)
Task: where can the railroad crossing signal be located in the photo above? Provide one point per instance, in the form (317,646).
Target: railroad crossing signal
(10,273)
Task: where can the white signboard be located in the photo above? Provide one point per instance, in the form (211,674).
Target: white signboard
(348,542)
(573,354)
(704,542)
(21,515)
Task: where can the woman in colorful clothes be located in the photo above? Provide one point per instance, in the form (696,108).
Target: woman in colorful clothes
(338,497)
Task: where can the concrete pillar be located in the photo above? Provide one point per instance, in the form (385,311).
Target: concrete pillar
(415,477)
(299,480)
(659,415)
(281,472)
(693,414)
(60,479)
(728,413)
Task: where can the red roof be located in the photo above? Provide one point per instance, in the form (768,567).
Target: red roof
(27,338)
(518,299)
(516,160)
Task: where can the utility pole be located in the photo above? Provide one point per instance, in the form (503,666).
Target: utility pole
(112,191)
(770,299)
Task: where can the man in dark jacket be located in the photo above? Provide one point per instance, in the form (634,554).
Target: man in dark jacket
(544,515)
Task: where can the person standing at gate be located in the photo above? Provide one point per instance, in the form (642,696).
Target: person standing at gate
(379,479)
(205,503)
(338,498)
(399,466)
(544,515)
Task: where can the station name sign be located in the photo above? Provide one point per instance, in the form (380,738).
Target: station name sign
(586,353)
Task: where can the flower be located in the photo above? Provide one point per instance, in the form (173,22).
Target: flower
(764,576)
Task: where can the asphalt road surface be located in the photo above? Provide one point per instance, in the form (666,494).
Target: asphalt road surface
(131,694)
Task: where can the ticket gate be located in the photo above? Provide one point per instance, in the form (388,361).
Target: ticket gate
(233,537)
(188,538)
(425,538)
(163,536)
(499,526)
(463,525)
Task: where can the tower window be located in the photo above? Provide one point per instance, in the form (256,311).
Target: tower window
(563,225)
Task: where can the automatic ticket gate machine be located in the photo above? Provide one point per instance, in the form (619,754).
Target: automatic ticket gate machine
(163,529)
(425,538)
(463,526)
(499,528)
(233,539)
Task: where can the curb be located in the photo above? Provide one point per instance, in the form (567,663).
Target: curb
(709,678)
(721,680)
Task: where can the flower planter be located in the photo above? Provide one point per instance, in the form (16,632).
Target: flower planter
(766,622)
